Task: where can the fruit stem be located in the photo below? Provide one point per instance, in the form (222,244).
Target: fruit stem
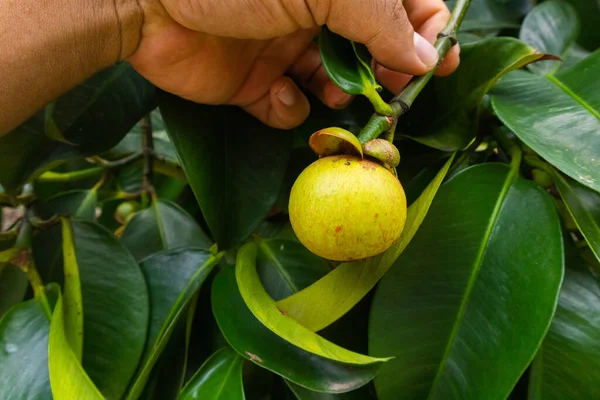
(402,102)
(51,176)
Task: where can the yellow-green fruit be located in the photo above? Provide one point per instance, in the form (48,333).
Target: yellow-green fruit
(345,208)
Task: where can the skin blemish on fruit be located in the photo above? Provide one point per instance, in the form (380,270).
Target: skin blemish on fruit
(338,229)
(347,162)
(376,215)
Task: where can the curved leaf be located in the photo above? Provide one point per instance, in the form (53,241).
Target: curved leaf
(348,66)
(73,303)
(68,380)
(584,206)
(219,378)
(558,116)
(235,165)
(115,306)
(77,203)
(331,141)
(253,341)
(304,394)
(348,283)
(164,225)
(453,312)
(567,365)
(446,113)
(173,277)
(264,309)
(551,28)
(24,353)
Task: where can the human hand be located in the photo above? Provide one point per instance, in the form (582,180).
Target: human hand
(254,53)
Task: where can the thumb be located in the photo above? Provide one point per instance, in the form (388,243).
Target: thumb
(384,27)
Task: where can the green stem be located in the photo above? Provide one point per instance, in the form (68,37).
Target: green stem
(535,162)
(402,102)
(51,176)
(148,190)
(510,147)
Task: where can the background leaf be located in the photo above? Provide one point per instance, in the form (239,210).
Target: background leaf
(24,353)
(253,341)
(551,27)
(446,114)
(115,306)
(235,165)
(567,365)
(219,378)
(164,225)
(264,309)
(13,285)
(558,116)
(584,206)
(173,277)
(449,312)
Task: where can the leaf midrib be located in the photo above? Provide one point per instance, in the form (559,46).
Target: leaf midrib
(475,272)
(570,93)
(278,265)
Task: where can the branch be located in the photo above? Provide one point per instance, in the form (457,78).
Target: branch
(402,102)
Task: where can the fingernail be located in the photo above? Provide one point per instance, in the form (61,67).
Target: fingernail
(286,95)
(425,50)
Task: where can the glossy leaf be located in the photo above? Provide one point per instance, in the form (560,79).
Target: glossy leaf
(91,118)
(173,277)
(453,313)
(584,206)
(68,380)
(446,114)
(235,165)
(252,340)
(286,267)
(24,353)
(567,365)
(589,15)
(265,310)
(302,393)
(551,27)
(164,225)
(115,304)
(346,285)
(219,378)
(13,285)
(487,17)
(558,116)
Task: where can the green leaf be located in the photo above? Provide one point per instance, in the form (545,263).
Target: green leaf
(304,394)
(253,341)
(348,64)
(90,119)
(164,225)
(77,203)
(173,277)
(468,288)
(584,206)
(346,285)
(115,305)
(219,378)
(73,303)
(296,267)
(235,165)
(24,353)
(13,286)
(446,114)
(589,15)
(567,365)
(558,116)
(62,363)
(488,17)
(265,310)
(551,28)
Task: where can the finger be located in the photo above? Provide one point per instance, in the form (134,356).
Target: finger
(283,107)
(308,71)
(392,80)
(384,27)
(429,17)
